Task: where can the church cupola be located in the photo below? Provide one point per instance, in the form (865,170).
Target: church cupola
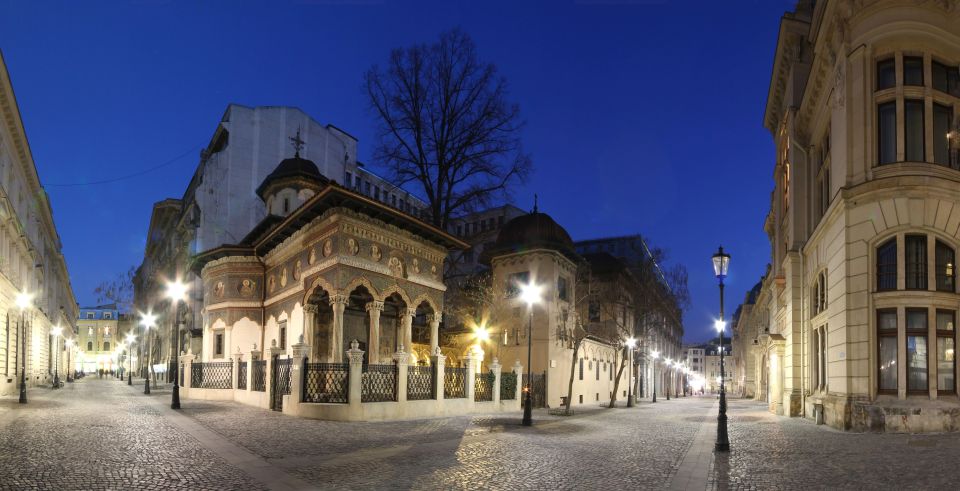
(292,183)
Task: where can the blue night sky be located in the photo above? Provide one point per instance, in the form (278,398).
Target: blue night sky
(642,116)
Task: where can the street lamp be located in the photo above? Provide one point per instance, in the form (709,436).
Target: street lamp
(23,301)
(631,343)
(669,365)
(147,320)
(655,355)
(721,262)
(69,344)
(530,293)
(177,293)
(56,331)
(129,359)
(121,347)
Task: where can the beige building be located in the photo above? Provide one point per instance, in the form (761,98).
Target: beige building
(102,340)
(31,261)
(861,299)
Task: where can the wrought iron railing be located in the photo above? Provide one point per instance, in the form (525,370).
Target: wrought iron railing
(180,372)
(326,382)
(508,386)
(212,375)
(242,375)
(454,383)
(378,383)
(420,383)
(259,376)
(280,381)
(483,387)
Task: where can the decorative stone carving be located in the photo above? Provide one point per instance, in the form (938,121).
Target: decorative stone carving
(218,289)
(353,247)
(396,266)
(246,287)
(339,299)
(271,284)
(297,268)
(327,248)
(313,256)
(415,265)
(433,270)
(838,84)
(375,253)
(375,305)
(283,277)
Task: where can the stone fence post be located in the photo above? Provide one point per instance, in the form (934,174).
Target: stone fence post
(237,360)
(355,358)
(518,369)
(272,353)
(495,369)
(187,361)
(437,360)
(254,356)
(301,351)
(401,359)
(470,383)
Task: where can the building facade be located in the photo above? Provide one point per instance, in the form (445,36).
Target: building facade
(31,261)
(863,222)
(102,339)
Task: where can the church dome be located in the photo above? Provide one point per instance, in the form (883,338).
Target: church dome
(292,169)
(532,231)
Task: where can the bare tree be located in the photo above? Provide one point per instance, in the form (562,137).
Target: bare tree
(446,126)
(119,290)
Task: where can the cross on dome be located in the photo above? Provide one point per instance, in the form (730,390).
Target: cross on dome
(297,143)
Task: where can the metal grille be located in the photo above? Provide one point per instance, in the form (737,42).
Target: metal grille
(259,380)
(326,382)
(242,375)
(508,386)
(280,385)
(180,371)
(212,375)
(420,382)
(378,383)
(454,383)
(483,387)
(538,388)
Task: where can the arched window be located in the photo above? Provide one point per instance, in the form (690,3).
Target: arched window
(818,297)
(945,268)
(89,345)
(887,265)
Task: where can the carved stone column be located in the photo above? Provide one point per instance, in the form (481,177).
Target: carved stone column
(309,329)
(406,326)
(338,303)
(401,359)
(435,331)
(373,346)
(495,369)
(355,355)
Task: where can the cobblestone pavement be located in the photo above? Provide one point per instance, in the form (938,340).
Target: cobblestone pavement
(102,434)
(771,452)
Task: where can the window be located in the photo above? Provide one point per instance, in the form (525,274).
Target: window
(916,350)
(916,262)
(886,74)
(946,364)
(887,336)
(218,344)
(356,182)
(460,230)
(942,117)
(913,130)
(819,296)
(106,346)
(946,78)
(283,335)
(562,288)
(598,370)
(286,205)
(913,70)
(593,311)
(887,265)
(89,345)
(820,358)
(945,273)
(393,200)
(581,368)
(376,193)
(107,315)
(887,133)
(366,187)
(515,281)
(349,179)
(90,315)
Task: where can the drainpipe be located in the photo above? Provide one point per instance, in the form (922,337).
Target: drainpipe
(804,311)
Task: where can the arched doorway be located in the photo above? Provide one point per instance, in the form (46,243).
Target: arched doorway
(356,320)
(318,317)
(391,326)
(420,333)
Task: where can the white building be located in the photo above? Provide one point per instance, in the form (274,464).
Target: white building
(31,260)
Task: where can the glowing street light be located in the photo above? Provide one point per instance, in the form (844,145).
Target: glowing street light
(631,344)
(24,301)
(655,354)
(130,339)
(69,344)
(529,293)
(177,293)
(721,263)
(56,332)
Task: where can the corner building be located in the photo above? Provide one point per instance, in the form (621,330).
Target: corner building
(860,306)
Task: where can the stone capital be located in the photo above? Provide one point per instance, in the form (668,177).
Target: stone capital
(410,312)
(311,308)
(375,305)
(355,354)
(339,299)
(435,317)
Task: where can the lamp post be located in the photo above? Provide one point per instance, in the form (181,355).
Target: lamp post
(23,302)
(129,359)
(56,331)
(147,320)
(721,262)
(655,355)
(631,343)
(531,295)
(177,293)
(69,344)
(669,366)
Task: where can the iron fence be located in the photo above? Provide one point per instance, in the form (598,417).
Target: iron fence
(454,383)
(508,386)
(378,383)
(180,372)
(420,382)
(212,375)
(326,382)
(259,380)
(242,375)
(483,387)
(280,383)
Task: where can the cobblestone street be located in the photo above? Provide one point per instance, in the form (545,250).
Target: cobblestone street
(102,434)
